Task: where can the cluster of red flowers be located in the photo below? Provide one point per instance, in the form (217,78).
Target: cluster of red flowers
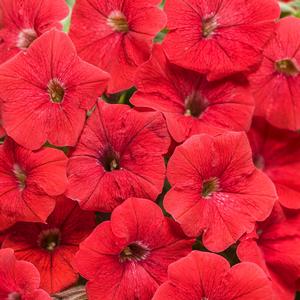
(150,153)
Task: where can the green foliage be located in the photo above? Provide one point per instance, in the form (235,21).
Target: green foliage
(67,21)
(162,3)
(291,8)
(70,2)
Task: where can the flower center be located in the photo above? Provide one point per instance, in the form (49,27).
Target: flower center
(117,21)
(195,104)
(209,25)
(259,162)
(49,239)
(14,296)
(209,187)
(259,232)
(20,175)
(56,90)
(134,252)
(287,67)
(25,38)
(110,160)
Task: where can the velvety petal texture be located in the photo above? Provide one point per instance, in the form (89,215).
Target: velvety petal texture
(19,279)
(216,190)
(202,275)
(219,37)
(149,149)
(116,35)
(275,246)
(51,247)
(46,91)
(277,153)
(276,83)
(128,257)
(191,104)
(119,155)
(29,182)
(23,21)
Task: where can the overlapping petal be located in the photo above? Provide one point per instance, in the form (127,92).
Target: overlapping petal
(216,190)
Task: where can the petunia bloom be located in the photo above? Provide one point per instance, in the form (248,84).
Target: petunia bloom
(219,37)
(51,247)
(28,183)
(216,189)
(191,104)
(19,279)
(275,246)
(46,92)
(128,257)
(116,35)
(276,84)
(277,153)
(203,275)
(23,21)
(119,155)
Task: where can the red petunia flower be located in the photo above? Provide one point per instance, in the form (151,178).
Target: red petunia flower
(51,247)
(202,275)
(19,279)
(128,257)
(216,189)
(28,183)
(22,21)
(116,35)
(119,155)
(46,92)
(275,247)
(219,37)
(190,104)
(277,153)
(276,84)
